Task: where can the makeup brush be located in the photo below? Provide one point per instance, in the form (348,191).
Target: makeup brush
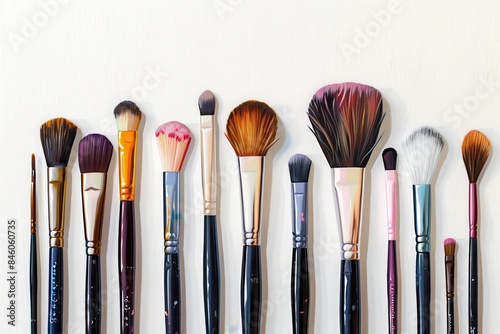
(475,152)
(128,118)
(94,156)
(390,157)
(299,166)
(173,140)
(251,130)
(346,120)
(421,152)
(33,253)
(449,265)
(211,294)
(57,136)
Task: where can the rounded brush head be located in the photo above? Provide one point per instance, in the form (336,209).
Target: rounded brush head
(94,154)
(449,246)
(57,136)
(299,166)
(128,116)
(390,158)
(173,140)
(206,103)
(475,152)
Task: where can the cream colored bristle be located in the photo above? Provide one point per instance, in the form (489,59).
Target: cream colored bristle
(173,140)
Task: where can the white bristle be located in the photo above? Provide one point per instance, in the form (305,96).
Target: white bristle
(173,140)
(128,122)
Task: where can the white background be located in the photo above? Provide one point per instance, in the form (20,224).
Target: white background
(436,63)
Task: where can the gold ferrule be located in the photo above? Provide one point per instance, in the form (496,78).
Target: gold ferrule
(208,164)
(56,187)
(93,196)
(127,142)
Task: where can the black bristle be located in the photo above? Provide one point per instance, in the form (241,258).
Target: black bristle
(390,157)
(206,103)
(299,166)
(127,106)
(57,136)
(94,154)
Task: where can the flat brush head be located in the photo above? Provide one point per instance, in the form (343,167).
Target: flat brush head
(206,103)
(475,152)
(57,136)
(128,116)
(346,120)
(94,154)
(173,142)
(449,246)
(299,166)
(390,157)
(421,151)
(251,128)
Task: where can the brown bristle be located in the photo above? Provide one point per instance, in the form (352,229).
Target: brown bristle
(449,246)
(475,152)
(57,136)
(251,128)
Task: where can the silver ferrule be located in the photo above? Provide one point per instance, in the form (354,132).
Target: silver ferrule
(422,216)
(93,195)
(208,164)
(299,214)
(171,211)
(251,181)
(56,191)
(348,184)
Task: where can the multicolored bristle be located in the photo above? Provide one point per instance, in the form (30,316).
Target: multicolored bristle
(57,136)
(449,246)
(173,142)
(206,103)
(94,154)
(128,116)
(390,158)
(475,152)
(299,166)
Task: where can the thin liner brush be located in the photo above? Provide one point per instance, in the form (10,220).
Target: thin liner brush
(33,252)
(449,264)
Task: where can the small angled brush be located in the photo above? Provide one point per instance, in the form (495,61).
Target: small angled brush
(449,265)
(173,140)
(421,152)
(33,252)
(475,152)
(346,120)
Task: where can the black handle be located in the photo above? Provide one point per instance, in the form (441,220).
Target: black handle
(423,277)
(392,287)
(300,291)
(251,290)
(350,297)
(93,295)
(56,280)
(450,316)
(126,266)
(211,279)
(172,294)
(473,287)
(33,284)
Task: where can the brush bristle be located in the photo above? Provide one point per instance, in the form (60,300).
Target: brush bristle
(57,136)
(449,246)
(128,116)
(421,152)
(94,154)
(475,152)
(390,158)
(346,120)
(33,167)
(173,142)
(299,166)
(206,103)
(251,128)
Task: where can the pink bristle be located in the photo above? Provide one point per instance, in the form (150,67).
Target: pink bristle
(173,155)
(450,241)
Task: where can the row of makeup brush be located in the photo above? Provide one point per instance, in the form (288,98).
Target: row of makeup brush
(346,120)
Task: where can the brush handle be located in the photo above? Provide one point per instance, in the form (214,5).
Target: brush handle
(172,291)
(350,297)
(126,263)
(473,287)
(211,278)
(251,290)
(392,287)
(93,295)
(56,285)
(450,316)
(300,291)
(33,284)
(423,278)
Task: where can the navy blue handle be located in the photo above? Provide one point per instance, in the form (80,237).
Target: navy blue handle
(251,290)
(423,277)
(56,280)
(350,298)
(300,291)
(211,279)
(473,287)
(172,292)
(126,266)
(93,295)
(33,284)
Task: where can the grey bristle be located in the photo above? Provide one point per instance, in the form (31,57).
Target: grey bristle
(94,154)
(390,158)
(299,166)
(127,106)
(57,136)
(206,103)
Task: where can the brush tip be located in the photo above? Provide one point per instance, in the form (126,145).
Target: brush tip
(94,154)
(57,136)
(128,116)
(299,166)
(449,246)
(33,167)
(449,241)
(173,140)
(390,157)
(475,152)
(206,103)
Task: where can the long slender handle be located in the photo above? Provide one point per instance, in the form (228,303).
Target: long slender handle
(126,263)
(33,284)
(300,291)
(450,316)
(392,287)
(93,295)
(350,297)
(251,290)
(423,277)
(211,278)
(56,285)
(473,287)
(172,292)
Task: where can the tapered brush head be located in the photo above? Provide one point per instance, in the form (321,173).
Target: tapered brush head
(346,120)
(94,154)
(421,152)
(206,103)
(475,151)
(251,128)
(57,136)
(299,166)
(449,246)
(390,157)
(128,116)
(173,140)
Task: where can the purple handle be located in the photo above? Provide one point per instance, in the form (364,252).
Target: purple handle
(126,263)
(392,287)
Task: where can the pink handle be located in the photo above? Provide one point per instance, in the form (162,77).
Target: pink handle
(392,195)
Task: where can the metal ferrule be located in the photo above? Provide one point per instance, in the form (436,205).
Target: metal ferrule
(391,193)
(56,182)
(33,202)
(208,164)
(93,195)
(127,153)
(348,184)
(422,216)
(171,210)
(299,214)
(251,181)
(472,210)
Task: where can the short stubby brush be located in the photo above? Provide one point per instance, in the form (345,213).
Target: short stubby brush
(346,120)
(449,266)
